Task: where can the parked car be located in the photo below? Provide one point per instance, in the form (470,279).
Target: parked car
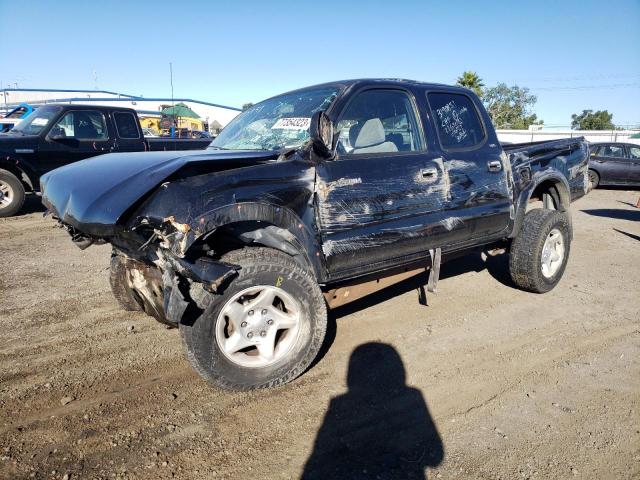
(614,164)
(7,124)
(56,135)
(200,134)
(244,246)
(149,132)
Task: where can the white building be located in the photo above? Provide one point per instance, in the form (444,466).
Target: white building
(209,112)
(522,136)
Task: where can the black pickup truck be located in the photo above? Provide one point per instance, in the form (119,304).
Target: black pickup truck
(309,200)
(56,135)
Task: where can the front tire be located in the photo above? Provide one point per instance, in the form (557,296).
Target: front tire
(538,255)
(12,194)
(265,329)
(594,179)
(120,288)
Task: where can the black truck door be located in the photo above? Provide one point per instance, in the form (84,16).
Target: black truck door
(129,134)
(78,134)
(477,175)
(384,198)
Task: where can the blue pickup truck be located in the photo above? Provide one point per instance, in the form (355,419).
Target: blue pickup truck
(309,200)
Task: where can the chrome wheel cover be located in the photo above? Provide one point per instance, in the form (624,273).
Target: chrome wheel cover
(552,253)
(6,194)
(258,326)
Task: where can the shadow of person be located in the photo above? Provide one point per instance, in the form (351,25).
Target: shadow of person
(380,429)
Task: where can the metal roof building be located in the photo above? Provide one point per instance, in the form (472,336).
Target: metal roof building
(12,97)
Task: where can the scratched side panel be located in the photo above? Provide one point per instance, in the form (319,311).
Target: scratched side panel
(374,210)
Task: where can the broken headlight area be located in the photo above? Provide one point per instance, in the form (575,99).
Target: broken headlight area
(172,287)
(166,233)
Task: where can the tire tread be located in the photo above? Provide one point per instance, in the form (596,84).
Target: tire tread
(254,260)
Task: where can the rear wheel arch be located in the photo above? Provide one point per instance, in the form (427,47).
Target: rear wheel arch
(556,190)
(552,190)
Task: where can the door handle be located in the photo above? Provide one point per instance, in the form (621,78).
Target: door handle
(429,172)
(494,165)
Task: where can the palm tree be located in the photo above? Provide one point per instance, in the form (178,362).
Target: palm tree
(472,81)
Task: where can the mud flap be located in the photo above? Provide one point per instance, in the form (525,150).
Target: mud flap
(435,256)
(434,274)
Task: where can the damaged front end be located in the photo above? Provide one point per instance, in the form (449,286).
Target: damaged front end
(168,285)
(141,203)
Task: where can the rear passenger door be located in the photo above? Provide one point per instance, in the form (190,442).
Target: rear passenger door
(611,163)
(634,168)
(129,136)
(383,198)
(478,178)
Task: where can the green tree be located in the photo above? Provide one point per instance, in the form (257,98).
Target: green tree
(472,81)
(590,120)
(510,107)
(247,105)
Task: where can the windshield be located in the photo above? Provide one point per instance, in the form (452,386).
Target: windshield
(37,121)
(277,123)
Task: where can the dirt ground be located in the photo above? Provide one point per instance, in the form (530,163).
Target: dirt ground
(515,385)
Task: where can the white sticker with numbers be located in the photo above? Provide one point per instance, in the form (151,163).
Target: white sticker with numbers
(293,123)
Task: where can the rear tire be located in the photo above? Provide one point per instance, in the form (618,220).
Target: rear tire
(538,255)
(12,194)
(238,314)
(594,179)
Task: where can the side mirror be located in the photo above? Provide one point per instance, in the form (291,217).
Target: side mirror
(321,134)
(57,133)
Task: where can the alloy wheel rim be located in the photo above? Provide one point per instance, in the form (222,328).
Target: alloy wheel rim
(258,326)
(6,194)
(552,253)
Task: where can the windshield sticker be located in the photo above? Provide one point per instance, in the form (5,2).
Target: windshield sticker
(293,123)
(40,122)
(451,120)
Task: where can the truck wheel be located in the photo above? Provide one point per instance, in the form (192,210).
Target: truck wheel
(594,179)
(265,329)
(12,194)
(539,253)
(124,294)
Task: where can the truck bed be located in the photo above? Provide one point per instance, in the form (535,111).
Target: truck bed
(159,144)
(569,156)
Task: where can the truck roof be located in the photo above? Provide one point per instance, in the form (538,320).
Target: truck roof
(401,82)
(71,106)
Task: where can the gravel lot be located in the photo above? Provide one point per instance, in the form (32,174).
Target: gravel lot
(515,385)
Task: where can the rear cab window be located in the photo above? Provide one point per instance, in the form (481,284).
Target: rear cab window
(457,121)
(126,125)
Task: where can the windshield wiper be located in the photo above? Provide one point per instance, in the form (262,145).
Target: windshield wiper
(215,147)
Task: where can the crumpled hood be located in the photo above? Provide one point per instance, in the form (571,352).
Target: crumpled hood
(92,195)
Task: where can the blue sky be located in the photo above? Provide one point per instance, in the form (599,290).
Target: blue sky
(574,55)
